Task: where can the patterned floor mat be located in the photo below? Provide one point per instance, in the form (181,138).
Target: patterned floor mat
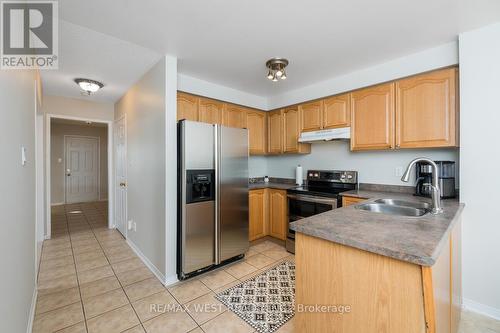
(266,301)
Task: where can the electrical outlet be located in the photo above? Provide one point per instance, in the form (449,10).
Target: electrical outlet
(398,171)
(130,224)
(135,226)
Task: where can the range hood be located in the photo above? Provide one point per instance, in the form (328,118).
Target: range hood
(343,133)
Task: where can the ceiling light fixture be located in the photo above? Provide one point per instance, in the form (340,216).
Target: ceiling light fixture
(88,86)
(276,69)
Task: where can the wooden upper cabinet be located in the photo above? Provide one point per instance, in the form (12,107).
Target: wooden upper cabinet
(187,107)
(275,132)
(277,213)
(426,110)
(291,132)
(311,116)
(337,112)
(372,118)
(256,124)
(210,111)
(234,116)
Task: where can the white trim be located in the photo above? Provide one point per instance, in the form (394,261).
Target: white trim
(31,317)
(98,163)
(169,280)
(124,117)
(109,123)
(146,262)
(483,309)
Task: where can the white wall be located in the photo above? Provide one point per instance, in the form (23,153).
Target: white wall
(75,107)
(57,172)
(204,88)
(375,167)
(437,57)
(17,199)
(144,105)
(479,162)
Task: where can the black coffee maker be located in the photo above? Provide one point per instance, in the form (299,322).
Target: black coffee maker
(446,177)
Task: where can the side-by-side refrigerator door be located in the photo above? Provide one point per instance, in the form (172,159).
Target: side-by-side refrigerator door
(233,192)
(197,172)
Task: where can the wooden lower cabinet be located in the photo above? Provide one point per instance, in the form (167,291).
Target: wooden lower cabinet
(347,201)
(382,294)
(267,213)
(277,213)
(258,214)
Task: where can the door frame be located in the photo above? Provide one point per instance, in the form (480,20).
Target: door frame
(65,137)
(111,194)
(124,118)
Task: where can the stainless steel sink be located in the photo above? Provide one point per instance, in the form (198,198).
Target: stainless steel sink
(392,209)
(397,202)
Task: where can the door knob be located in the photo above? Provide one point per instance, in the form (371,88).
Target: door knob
(123,184)
(68,172)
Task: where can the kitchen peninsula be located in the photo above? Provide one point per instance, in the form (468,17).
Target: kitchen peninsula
(395,273)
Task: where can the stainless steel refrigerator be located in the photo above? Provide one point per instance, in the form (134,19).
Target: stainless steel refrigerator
(213,196)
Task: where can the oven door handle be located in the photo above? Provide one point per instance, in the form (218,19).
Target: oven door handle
(308,198)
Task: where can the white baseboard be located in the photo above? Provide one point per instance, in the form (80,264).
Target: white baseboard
(483,309)
(57,203)
(31,317)
(171,280)
(146,261)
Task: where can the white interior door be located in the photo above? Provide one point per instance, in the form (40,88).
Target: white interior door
(82,169)
(120,144)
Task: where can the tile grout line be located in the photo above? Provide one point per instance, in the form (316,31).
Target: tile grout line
(119,282)
(76,273)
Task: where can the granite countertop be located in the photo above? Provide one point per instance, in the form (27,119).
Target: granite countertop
(274,185)
(418,240)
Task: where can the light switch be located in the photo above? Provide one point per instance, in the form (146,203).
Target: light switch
(23,155)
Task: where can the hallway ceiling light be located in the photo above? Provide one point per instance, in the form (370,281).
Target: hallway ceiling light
(88,86)
(276,69)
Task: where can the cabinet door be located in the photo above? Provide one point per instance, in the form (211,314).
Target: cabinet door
(187,107)
(311,114)
(336,112)
(233,116)
(210,111)
(275,132)
(256,124)
(426,110)
(291,132)
(347,201)
(258,214)
(372,118)
(277,213)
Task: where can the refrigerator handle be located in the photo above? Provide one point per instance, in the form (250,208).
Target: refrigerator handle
(217,193)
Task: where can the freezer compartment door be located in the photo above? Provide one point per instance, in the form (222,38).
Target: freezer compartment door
(233,192)
(198,236)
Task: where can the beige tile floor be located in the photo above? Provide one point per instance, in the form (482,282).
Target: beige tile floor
(91,281)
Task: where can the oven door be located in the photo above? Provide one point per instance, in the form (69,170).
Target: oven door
(301,206)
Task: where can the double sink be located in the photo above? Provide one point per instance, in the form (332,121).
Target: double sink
(396,207)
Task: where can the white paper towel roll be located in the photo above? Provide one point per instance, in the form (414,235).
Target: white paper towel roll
(298,175)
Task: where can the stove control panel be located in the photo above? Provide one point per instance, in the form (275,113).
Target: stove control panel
(333,176)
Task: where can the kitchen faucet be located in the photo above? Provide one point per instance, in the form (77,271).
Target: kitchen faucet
(435,191)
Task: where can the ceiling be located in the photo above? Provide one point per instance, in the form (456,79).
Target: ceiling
(227,42)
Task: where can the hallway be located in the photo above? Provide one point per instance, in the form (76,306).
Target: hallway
(91,281)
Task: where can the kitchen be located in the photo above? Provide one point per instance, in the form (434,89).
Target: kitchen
(382,119)
(327,170)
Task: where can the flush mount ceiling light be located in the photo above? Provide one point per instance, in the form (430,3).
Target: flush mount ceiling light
(88,86)
(276,69)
